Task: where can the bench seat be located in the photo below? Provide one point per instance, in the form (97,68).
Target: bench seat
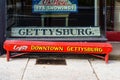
(26,46)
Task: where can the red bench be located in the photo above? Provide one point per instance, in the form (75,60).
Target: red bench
(26,46)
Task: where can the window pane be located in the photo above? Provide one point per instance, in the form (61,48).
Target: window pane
(87,21)
(117,16)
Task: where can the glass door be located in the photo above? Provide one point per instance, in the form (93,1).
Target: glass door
(113,20)
(56,20)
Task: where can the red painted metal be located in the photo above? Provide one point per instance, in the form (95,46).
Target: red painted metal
(66,47)
(113,35)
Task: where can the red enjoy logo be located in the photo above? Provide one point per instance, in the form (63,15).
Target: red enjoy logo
(20,48)
(54,2)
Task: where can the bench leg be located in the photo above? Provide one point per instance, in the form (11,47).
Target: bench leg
(106,58)
(8,55)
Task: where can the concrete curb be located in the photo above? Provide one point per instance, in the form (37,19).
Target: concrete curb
(116,50)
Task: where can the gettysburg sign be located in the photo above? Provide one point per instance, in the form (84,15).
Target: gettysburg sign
(54,32)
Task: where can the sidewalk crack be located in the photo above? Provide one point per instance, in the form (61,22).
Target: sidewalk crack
(93,70)
(25,69)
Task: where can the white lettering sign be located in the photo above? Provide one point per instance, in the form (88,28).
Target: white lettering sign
(55,32)
(54,6)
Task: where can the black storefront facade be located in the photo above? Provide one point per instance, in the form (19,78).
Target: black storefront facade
(87,22)
(2,24)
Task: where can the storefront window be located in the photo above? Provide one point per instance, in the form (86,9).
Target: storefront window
(113,15)
(117,16)
(55,19)
(110,15)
